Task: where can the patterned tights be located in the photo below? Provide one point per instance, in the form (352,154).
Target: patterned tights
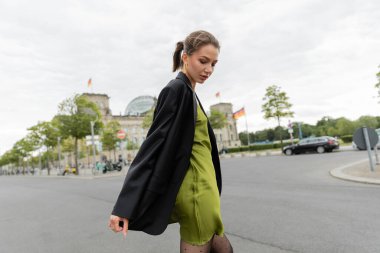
(217,244)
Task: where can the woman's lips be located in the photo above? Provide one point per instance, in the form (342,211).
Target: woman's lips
(203,77)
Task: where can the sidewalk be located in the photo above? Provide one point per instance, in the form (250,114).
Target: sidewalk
(251,154)
(358,172)
(83,174)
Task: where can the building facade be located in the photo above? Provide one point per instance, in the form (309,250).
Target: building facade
(136,110)
(226,137)
(132,120)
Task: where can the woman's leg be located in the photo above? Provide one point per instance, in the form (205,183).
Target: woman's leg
(188,248)
(220,244)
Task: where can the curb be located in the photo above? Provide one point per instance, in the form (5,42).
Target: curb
(338,173)
(261,154)
(79,177)
(252,154)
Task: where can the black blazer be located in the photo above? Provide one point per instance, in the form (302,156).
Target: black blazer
(153,180)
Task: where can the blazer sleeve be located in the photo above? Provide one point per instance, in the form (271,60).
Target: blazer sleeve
(142,166)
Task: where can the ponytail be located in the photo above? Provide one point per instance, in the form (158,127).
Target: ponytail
(177,61)
(192,43)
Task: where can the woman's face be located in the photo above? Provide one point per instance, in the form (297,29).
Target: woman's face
(200,65)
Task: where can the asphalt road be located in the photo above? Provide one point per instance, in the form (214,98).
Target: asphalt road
(269,204)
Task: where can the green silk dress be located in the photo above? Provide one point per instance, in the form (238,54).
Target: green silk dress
(197,206)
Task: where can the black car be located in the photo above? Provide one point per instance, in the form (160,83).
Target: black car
(316,144)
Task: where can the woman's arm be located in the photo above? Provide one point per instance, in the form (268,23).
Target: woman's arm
(142,166)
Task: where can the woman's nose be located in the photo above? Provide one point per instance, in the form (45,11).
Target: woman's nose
(209,69)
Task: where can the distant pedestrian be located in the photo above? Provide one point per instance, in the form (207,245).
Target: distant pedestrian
(176,176)
(129,158)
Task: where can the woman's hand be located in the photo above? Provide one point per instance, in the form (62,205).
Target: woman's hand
(113,224)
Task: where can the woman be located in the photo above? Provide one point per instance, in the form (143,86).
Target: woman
(176,176)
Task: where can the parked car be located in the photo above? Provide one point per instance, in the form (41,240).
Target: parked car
(316,144)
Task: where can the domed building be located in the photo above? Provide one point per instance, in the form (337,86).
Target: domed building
(140,106)
(132,120)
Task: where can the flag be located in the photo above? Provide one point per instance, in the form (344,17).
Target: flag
(217,94)
(89,83)
(238,113)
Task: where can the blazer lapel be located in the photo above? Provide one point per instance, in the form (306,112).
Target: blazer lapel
(184,78)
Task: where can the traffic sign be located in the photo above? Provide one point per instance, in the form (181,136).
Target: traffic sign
(89,137)
(88,143)
(121,134)
(367,138)
(360,140)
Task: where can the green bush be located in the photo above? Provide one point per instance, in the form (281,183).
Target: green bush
(258,147)
(233,150)
(346,138)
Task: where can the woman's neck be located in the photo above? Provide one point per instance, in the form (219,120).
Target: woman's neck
(192,82)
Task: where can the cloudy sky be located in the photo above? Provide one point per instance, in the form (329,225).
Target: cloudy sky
(324,54)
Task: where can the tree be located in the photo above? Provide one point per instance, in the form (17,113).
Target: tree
(45,134)
(132,145)
(345,127)
(325,126)
(7,158)
(68,147)
(23,148)
(307,130)
(278,133)
(367,121)
(332,131)
(109,136)
(263,135)
(243,137)
(378,82)
(217,119)
(148,119)
(74,119)
(276,105)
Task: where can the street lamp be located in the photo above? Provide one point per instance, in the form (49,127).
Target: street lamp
(92,124)
(299,131)
(290,131)
(93,144)
(59,150)
(59,154)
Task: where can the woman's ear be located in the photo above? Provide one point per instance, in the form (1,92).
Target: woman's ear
(185,58)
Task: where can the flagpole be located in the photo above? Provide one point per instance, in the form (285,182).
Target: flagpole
(218,96)
(246,125)
(89,85)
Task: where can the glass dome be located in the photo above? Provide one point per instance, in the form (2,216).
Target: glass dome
(140,105)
